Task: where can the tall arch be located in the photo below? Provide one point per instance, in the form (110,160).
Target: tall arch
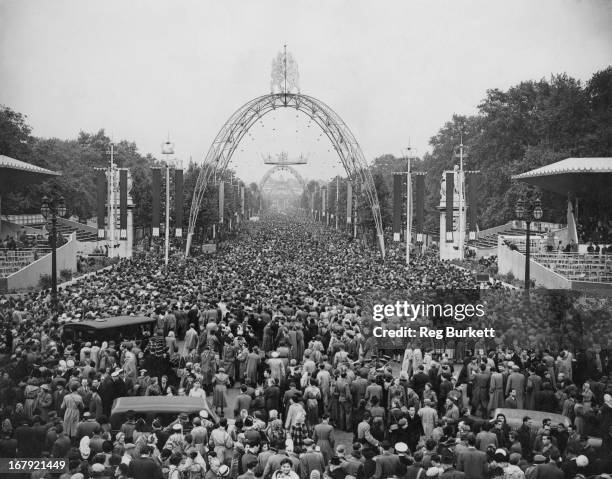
(343,141)
(276,168)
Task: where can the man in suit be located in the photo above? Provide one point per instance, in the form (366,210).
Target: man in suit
(243,401)
(472,461)
(549,470)
(250,471)
(480,391)
(144,467)
(516,381)
(358,388)
(415,471)
(486,437)
(419,380)
(311,460)
(446,462)
(353,463)
(387,463)
(363,432)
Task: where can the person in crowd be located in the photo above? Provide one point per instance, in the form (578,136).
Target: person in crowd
(274,333)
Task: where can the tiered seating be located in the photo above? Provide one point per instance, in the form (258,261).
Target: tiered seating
(490,241)
(12,261)
(578,266)
(66,228)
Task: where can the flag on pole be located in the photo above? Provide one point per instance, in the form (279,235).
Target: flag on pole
(450,193)
(101,200)
(155,207)
(349,202)
(419,205)
(397,205)
(123,203)
(178,203)
(472,203)
(221,200)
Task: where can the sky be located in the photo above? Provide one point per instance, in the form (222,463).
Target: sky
(394,71)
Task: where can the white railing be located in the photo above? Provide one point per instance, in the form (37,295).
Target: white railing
(12,261)
(35,219)
(537,226)
(536,242)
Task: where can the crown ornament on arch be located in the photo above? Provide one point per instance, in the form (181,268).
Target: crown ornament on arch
(285,75)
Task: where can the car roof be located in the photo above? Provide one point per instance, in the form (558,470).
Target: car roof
(536,416)
(108,323)
(159,404)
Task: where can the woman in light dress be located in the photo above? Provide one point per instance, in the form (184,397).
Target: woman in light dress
(72,406)
(220,381)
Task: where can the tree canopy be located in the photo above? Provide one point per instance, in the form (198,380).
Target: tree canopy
(524,127)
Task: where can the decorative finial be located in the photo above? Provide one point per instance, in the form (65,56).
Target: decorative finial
(285,76)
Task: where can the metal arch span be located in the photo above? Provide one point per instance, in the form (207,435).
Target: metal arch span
(228,139)
(276,168)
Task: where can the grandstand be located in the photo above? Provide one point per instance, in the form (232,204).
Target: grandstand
(512,231)
(587,181)
(489,240)
(596,268)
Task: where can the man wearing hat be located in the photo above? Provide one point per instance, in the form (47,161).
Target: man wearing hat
(87,426)
(446,462)
(353,462)
(45,401)
(387,463)
(310,460)
(544,470)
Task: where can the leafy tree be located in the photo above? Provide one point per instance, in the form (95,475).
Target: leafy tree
(15,139)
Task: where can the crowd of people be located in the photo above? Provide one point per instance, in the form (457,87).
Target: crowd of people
(273,334)
(597,229)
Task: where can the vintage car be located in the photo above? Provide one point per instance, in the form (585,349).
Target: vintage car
(115,328)
(514,419)
(164,408)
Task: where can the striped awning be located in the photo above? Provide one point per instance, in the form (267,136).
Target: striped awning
(570,165)
(573,176)
(13,164)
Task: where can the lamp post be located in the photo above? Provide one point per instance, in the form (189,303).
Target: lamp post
(52,209)
(528,211)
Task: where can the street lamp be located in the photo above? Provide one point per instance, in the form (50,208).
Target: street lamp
(52,209)
(528,211)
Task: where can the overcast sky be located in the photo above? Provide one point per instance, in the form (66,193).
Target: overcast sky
(395,71)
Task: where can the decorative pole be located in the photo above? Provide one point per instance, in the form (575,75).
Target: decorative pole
(111,202)
(168,150)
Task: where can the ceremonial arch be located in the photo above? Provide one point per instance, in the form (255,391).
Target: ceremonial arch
(231,133)
(277,168)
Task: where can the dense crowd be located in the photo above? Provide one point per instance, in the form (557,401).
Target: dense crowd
(595,229)
(272,333)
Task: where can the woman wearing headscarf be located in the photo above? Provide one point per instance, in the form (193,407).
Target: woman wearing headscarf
(229,359)
(31,397)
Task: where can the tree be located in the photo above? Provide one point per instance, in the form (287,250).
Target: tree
(15,139)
